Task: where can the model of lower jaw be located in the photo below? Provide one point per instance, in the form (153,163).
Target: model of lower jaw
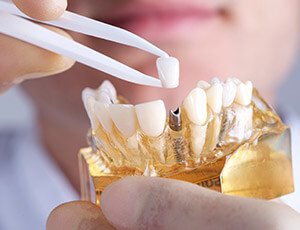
(214,120)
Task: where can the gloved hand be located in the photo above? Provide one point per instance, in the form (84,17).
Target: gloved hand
(19,60)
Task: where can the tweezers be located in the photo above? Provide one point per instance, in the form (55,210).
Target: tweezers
(18,25)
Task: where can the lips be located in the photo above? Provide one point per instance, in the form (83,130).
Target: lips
(161,20)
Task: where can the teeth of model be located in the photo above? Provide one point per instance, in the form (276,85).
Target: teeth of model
(229,92)
(241,129)
(195,106)
(203,84)
(102,113)
(87,92)
(215,80)
(124,118)
(214,97)
(101,109)
(198,134)
(244,93)
(168,71)
(90,109)
(104,97)
(235,80)
(213,134)
(108,87)
(152,117)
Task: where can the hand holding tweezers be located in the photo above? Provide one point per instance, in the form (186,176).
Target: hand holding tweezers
(18,25)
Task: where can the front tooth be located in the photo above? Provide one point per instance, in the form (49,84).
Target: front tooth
(108,87)
(195,106)
(214,97)
(203,84)
(152,117)
(244,93)
(168,71)
(124,118)
(229,92)
(102,113)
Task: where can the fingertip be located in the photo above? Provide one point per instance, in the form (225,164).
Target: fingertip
(125,202)
(44,10)
(77,215)
(44,63)
(149,202)
(116,203)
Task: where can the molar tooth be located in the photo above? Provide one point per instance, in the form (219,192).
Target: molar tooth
(203,84)
(241,125)
(108,87)
(168,71)
(198,136)
(102,113)
(215,80)
(124,118)
(152,117)
(235,80)
(214,97)
(195,106)
(87,92)
(244,93)
(90,109)
(213,133)
(229,92)
(104,97)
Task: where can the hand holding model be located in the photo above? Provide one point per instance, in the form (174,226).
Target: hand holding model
(24,61)
(156,203)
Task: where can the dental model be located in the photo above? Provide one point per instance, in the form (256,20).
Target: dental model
(223,136)
(145,126)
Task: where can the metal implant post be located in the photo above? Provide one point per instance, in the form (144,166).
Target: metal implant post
(175,120)
(178,144)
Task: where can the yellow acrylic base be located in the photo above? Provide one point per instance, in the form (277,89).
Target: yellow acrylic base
(259,170)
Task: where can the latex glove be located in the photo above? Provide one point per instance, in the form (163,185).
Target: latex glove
(19,60)
(156,203)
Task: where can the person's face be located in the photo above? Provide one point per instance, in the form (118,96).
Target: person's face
(248,39)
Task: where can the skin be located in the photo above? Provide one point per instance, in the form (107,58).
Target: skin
(246,41)
(155,203)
